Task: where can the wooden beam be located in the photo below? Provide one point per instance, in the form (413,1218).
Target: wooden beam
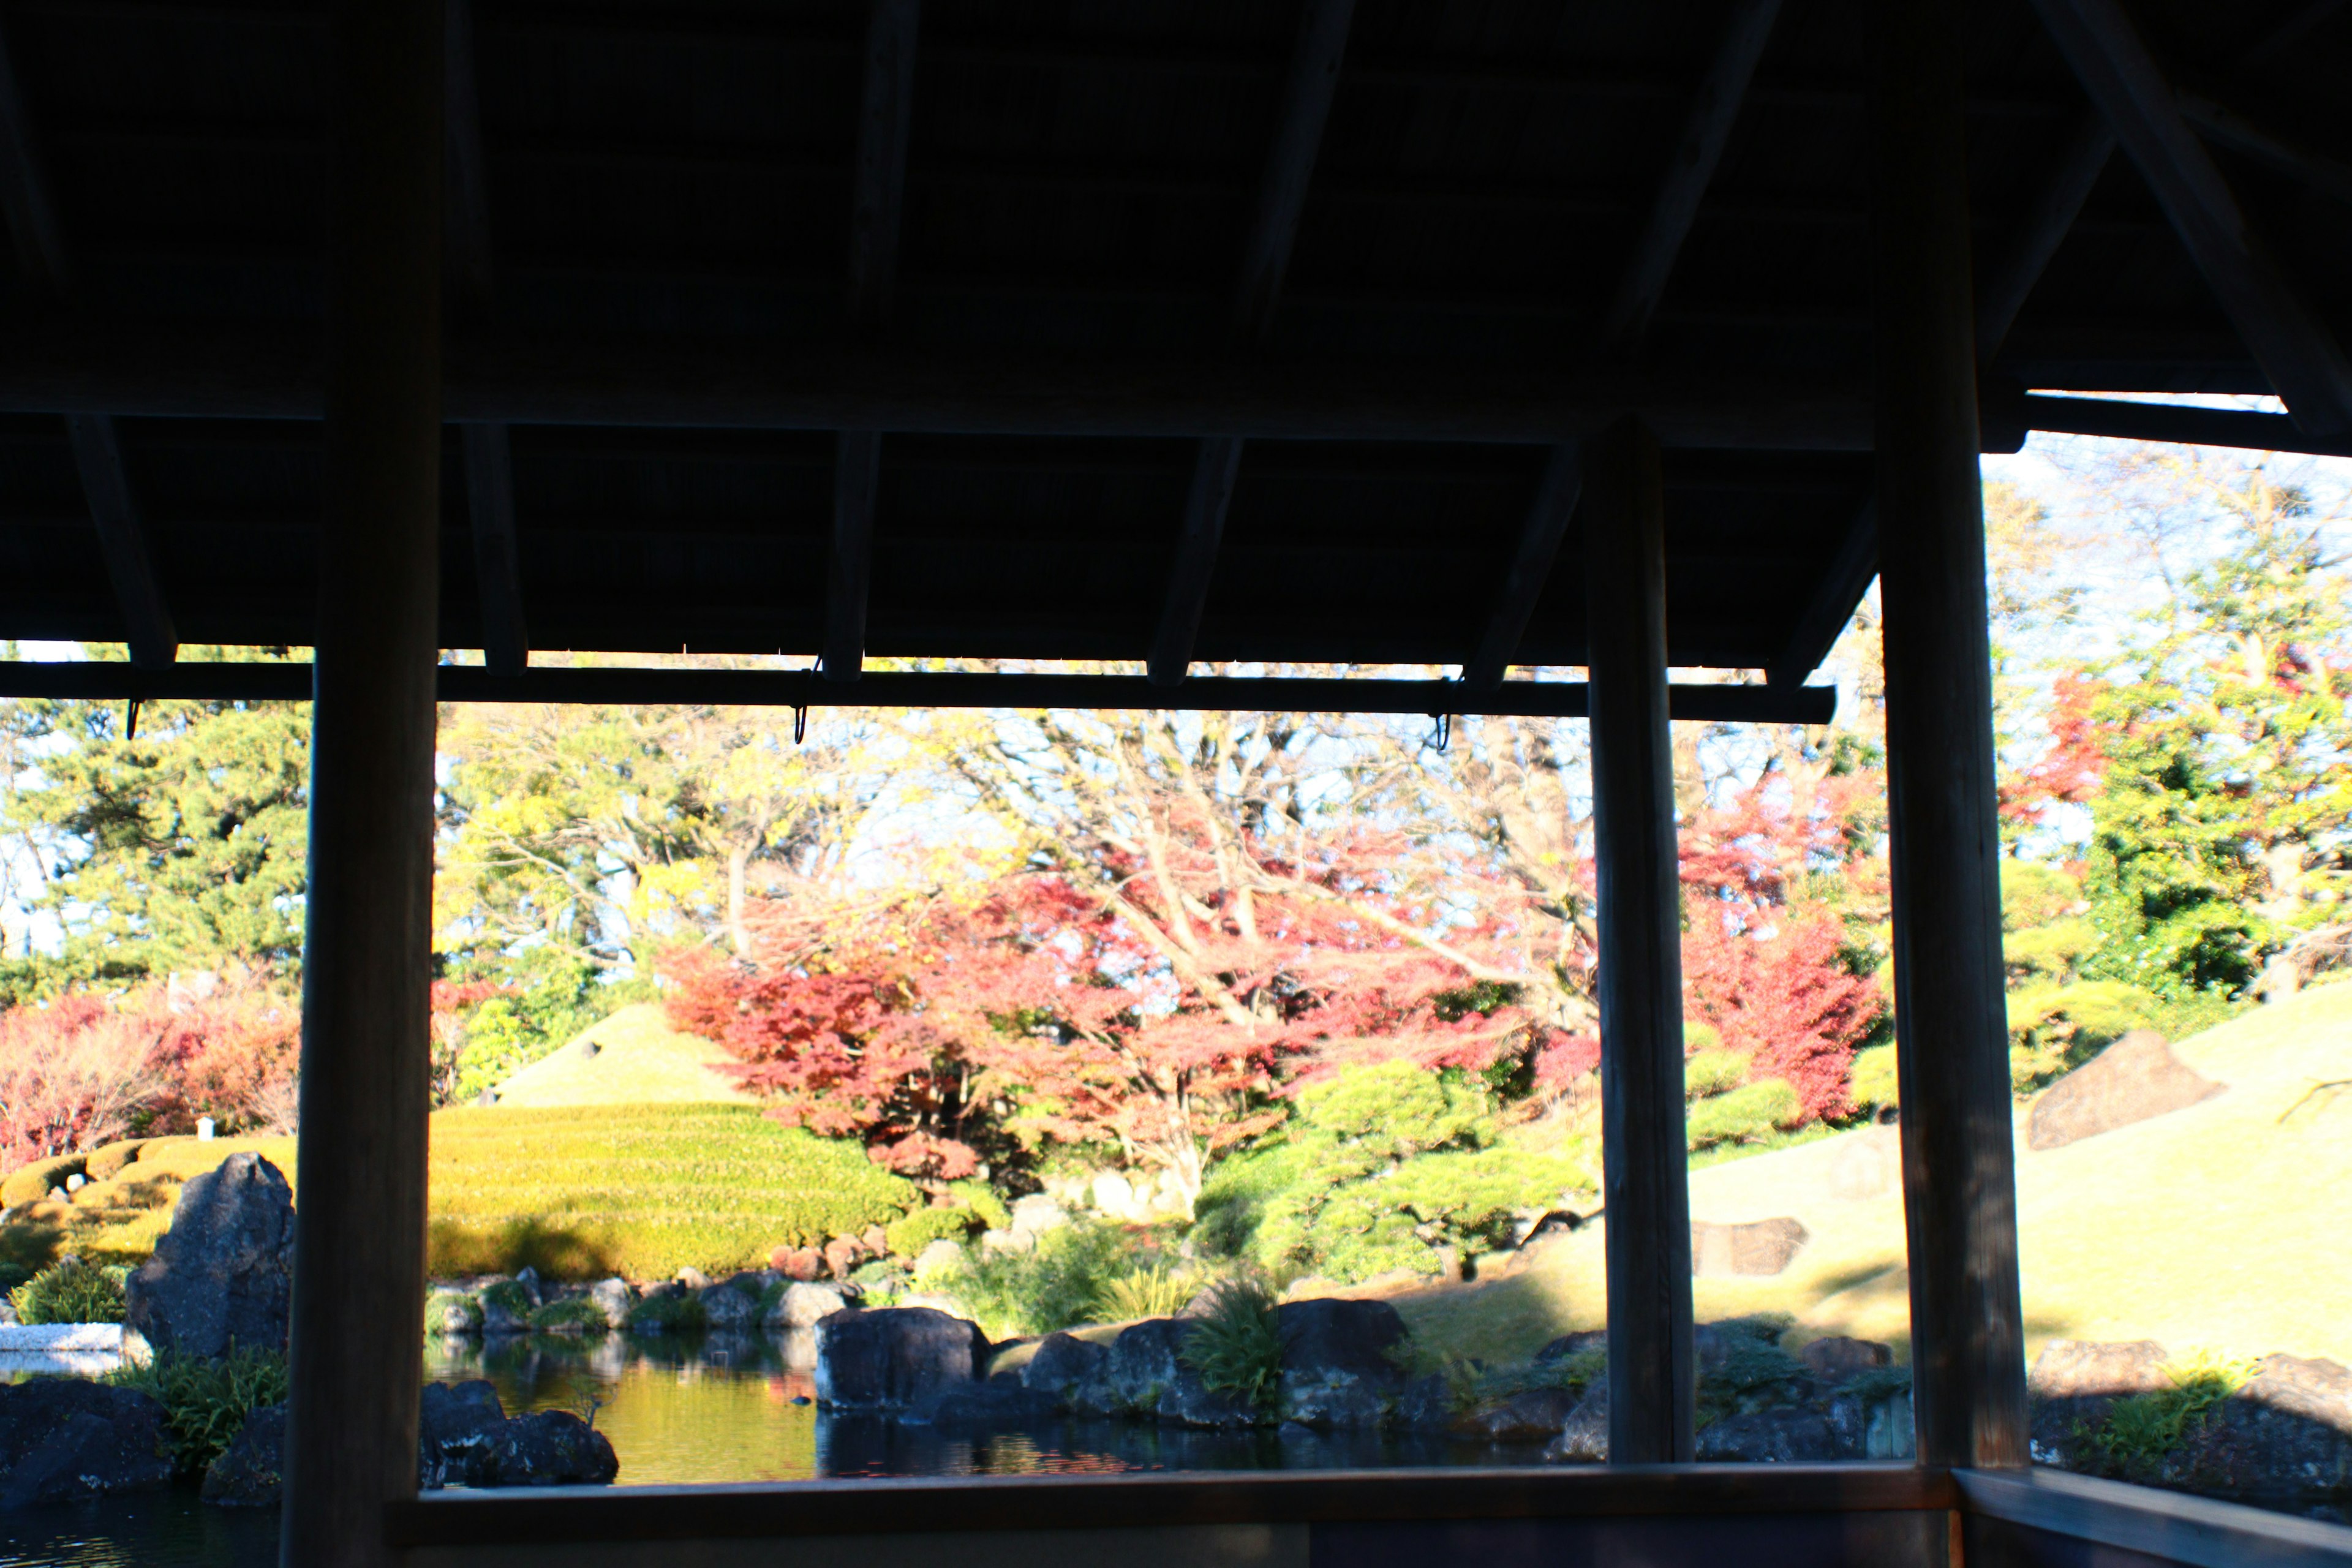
(2329,176)
(43,261)
(1273,231)
(877,204)
(1840,589)
(1530,569)
(1306,97)
(354,1372)
(2003,290)
(1638,905)
(498,570)
(1215,466)
(849,570)
(32,216)
(2175,422)
(1952,1037)
(465,237)
(58,366)
(884,119)
(2290,29)
(1696,155)
(486,446)
(2287,337)
(621,685)
(123,536)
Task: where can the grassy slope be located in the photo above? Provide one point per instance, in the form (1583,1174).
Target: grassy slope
(2218,1226)
(581,1191)
(636,1060)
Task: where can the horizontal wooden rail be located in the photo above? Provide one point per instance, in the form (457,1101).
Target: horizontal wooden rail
(110,682)
(2161,1526)
(1156,1500)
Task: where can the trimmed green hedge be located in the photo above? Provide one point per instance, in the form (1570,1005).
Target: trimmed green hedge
(917,1231)
(31,1184)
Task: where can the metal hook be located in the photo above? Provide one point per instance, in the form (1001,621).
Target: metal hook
(799,723)
(1444,735)
(131,721)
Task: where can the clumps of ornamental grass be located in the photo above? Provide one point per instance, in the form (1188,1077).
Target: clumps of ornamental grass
(1152,1292)
(2143,1430)
(205,1399)
(1236,1348)
(72,1292)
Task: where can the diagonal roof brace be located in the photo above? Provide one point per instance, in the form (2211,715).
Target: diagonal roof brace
(2288,339)
(1273,231)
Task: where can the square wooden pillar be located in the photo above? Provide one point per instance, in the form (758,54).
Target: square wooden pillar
(1952,1035)
(359,1250)
(1646,1189)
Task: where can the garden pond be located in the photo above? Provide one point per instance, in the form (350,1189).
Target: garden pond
(704,1408)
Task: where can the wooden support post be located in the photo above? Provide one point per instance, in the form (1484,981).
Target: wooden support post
(1652,1375)
(1958,1161)
(359,1271)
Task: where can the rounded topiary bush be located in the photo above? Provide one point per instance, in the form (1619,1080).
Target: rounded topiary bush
(108,1159)
(72,1292)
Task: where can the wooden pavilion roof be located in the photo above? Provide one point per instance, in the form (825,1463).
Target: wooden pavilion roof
(1215,329)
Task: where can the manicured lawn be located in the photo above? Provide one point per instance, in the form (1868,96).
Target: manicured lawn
(576,1191)
(2220,1227)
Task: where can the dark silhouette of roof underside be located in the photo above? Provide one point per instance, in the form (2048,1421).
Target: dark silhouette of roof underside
(1066,262)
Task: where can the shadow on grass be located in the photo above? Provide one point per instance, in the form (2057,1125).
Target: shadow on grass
(556,1251)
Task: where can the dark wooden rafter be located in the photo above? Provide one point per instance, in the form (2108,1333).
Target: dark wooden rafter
(1530,568)
(487,446)
(1696,156)
(43,261)
(1823,619)
(1306,97)
(2218,122)
(877,214)
(1691,168)
(2001,292)
(2287,337)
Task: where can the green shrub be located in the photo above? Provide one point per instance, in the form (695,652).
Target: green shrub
(509,1297)
(72,1292)
(1234,1196)
(571,1315)
(1749,1112)
(984,1201)
(1237,1348)
(438,1305)
(1394,1161)
(1753,1373)
(108,1159)
(31,1184)
(206,1400)
(1153,1292)
(2053,1029)
(1713,1072)
(1874,1077)
(1699,1037)
(907,1236)
(1058,1284)
(1879,1382)
(667,1315)
(2139,1433)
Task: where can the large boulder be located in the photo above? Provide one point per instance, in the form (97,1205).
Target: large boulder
(728,1310)
(223,1274)
(1577,1343)
(1336,1369)
(456,1422)
(1584,1437)
(996,1403)
(614,1299)
(894,1358)
(1148,1377)
(1535,1415)
(1834,1358)
(1785,1435)
(248,1473)
(64,1439)
(544,1449)
(1073,1372)
(2070,1369)
(1758,1247)
(804,1305)
(2135,1078)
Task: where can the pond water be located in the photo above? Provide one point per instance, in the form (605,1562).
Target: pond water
(699,1409)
